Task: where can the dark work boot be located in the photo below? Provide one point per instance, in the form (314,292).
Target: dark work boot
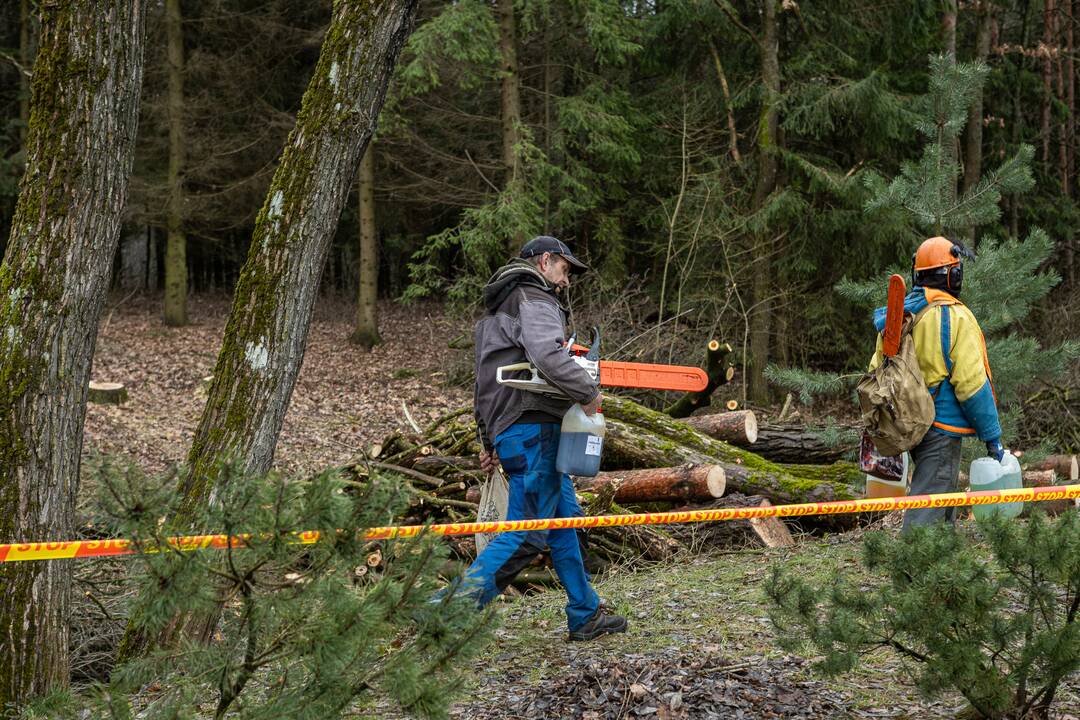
(602,622)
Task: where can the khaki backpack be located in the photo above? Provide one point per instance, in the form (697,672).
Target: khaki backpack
(897,409)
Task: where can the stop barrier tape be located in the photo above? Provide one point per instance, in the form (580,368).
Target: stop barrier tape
(18,552)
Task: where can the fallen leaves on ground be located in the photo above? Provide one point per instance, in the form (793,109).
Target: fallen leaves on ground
(669,685)
(345,397)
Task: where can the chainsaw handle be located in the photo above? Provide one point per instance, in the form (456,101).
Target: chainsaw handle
(516,367)
(594,349)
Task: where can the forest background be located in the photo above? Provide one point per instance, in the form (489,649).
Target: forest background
(708,158)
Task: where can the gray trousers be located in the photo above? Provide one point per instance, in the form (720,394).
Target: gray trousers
(937,470)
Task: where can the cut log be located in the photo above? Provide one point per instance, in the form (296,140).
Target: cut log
(682,484)
(772,531)
(107,393)
(732,405)
(1039,478)
(1046,478)
(1064,465)
(720,372)
(738,428)
(733,534)
(685,483)
(638,437)
(794,444)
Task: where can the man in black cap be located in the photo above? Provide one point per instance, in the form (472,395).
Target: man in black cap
(525,320)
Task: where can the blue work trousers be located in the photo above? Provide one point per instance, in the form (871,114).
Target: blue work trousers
(527,452)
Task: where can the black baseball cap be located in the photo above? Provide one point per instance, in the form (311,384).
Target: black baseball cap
(545,243)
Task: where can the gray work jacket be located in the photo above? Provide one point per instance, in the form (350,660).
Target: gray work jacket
(524,321)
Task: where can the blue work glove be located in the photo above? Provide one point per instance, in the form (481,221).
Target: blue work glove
(995,450)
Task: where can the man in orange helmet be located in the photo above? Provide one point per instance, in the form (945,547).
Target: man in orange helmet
(951,352)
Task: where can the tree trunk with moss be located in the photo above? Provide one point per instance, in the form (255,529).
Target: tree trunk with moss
(639,437)
(366,333)
(268,326)
(26,56)
(176,271)
(763,243)
(84,111)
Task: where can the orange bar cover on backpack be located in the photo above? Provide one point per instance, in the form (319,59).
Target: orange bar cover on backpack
(654,377)
(894,316)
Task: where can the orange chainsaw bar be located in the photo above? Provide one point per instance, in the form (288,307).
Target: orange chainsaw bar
(894,316)
(654,377)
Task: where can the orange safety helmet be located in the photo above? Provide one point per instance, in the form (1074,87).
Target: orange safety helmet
(936,252)
(940,252)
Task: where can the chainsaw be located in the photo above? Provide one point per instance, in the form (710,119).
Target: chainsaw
(608,373)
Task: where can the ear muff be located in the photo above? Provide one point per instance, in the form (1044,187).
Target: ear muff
(954,275)
(955,279)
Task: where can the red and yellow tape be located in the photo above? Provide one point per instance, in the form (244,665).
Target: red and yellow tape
(19,552)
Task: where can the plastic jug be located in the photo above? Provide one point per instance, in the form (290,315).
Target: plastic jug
(989,474)
(878,488)
(581,442)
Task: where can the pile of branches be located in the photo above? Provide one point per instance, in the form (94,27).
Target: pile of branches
(651,462)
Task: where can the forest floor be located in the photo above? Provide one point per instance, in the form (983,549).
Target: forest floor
(345,397)
(699,645)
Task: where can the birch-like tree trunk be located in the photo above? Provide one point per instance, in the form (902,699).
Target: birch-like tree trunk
(366,333)
(84,112)
(763,248)
(176,271)
(267,329)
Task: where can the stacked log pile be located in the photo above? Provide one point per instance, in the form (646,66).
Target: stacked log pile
(651,462)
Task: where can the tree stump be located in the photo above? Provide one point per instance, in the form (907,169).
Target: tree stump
(107,393)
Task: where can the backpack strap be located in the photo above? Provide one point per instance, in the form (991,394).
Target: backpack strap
(928,308)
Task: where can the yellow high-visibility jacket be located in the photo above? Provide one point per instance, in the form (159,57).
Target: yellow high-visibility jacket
(951,351)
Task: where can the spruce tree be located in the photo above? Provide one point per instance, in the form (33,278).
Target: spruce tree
(1008,278)
(574,154)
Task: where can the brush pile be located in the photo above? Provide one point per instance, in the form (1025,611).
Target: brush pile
(652,462)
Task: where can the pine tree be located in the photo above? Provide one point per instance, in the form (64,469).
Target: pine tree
(993,618)
(302,633)
(1003,284)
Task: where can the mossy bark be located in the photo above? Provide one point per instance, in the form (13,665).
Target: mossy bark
(267,329)
(176,270)
(366,333)
(26,56)
(84,111)
(764,245)
(639,437)
(796,444)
